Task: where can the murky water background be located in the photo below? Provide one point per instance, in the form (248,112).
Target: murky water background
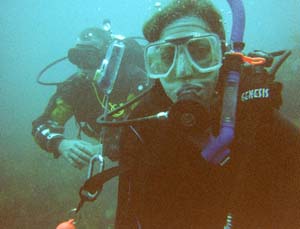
(37,191)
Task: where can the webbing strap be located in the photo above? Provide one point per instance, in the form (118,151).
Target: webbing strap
(96,182)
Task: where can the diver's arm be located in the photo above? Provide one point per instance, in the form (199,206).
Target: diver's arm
(287,188)
(48,136)
(48,129)
(288,135)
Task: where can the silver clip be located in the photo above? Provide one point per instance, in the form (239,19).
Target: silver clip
(72,214)
(92,165)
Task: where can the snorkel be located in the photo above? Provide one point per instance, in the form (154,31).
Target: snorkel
(216,150)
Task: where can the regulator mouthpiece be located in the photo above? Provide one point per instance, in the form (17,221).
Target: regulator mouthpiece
(188,113)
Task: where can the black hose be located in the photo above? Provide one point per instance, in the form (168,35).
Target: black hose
(130,102)
(283,55)
(130,122)
(45,69)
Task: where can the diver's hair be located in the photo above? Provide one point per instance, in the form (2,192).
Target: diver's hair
(182,8)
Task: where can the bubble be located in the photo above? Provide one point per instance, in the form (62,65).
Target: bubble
(157,5)
(140,87)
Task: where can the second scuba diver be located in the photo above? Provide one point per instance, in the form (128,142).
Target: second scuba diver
(79,96)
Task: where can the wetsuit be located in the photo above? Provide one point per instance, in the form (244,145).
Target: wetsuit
(79,97)
(167,184)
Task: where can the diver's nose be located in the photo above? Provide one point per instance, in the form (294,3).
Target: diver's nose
(183,66)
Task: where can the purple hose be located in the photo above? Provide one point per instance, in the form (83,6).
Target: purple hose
(216,150)
(238,22)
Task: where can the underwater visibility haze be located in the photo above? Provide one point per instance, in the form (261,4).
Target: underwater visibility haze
(37,191)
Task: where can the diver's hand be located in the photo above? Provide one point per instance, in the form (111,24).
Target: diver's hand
(78,152)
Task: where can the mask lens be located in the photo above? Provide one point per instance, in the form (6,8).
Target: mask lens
(205,52)
(85,57)
(159,59)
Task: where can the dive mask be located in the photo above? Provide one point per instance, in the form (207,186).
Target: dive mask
(85,56)
(203,52)
(90,48)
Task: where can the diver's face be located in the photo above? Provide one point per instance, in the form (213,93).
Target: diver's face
(195,64)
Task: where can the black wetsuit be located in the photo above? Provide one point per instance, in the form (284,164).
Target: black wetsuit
(79,97)
(167,184)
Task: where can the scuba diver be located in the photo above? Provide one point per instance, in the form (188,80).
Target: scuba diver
(186,169)
(81,95)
